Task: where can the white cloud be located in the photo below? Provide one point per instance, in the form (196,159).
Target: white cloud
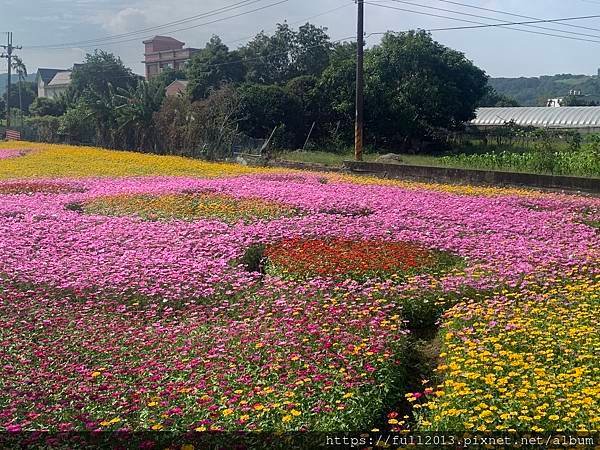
(128,19)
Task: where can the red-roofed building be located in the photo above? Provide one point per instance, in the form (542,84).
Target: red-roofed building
(164,52)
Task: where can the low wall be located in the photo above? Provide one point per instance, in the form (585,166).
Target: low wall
(468,176)
(304,166)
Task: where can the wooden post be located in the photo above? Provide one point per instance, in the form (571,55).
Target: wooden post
(309,135)
(360,82)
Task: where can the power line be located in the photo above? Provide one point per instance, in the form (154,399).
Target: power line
(506,25)
(491,18)
(153,28)
(329,11)
(515,15)
(176,30)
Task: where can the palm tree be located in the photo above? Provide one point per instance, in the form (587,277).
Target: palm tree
(136,110)
(21,71)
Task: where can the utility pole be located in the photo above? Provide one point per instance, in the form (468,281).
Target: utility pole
(9,48)
(360,82)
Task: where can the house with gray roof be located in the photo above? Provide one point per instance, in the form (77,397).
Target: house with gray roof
(52,82)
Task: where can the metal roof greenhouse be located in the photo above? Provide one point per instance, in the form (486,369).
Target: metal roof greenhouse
(571,117)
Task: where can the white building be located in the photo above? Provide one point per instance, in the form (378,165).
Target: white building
(51,83)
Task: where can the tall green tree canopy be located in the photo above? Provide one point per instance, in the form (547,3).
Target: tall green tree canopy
(43,106)
(28,93)
(416,85)
(100,72)
(212,67)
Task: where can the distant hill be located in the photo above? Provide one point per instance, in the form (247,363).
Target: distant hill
(536,91)
(4,79)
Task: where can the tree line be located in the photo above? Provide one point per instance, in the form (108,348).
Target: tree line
(285,84)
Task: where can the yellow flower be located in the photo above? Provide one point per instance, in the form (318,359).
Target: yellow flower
(295,412)
(157,427)
(227,412)
(96,374)
(200,429)
(286,418)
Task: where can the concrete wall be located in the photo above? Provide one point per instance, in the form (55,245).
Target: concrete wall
(475,177)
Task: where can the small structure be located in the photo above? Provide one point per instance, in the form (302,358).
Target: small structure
(554,102)
(177,87)
(43,79)
(585,119)
(59,84)
(164,52)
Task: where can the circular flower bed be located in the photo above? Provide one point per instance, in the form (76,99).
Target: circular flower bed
(338,257)
(187,206)
(37,187)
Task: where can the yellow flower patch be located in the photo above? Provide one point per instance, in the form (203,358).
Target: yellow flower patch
(529,362)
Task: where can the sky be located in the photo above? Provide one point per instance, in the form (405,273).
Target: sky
(38,24)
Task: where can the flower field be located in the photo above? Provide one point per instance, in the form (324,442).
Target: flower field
(128,302)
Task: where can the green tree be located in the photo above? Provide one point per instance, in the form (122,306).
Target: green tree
(166,77)
(77,124)
(287,54)
(265,107)
(100,72)
(94,84)
(493,98)
(43,106)
(416,86)
(213,67)
(311,51)
(135,113)
(268,58)
(22,94)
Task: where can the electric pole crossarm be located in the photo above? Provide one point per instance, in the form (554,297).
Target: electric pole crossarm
(9,48)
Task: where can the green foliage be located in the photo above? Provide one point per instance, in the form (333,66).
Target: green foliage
(416,85)
(135,113)
(43,106)
(494,99)
(77,125)
(265,107)
(287,54)
(205,128)
(212,67)
(42,128)
(254,258)
(22,94)
(547,157)
(101,72)
(536,91)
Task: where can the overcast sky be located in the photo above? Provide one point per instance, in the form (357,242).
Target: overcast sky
(500,52)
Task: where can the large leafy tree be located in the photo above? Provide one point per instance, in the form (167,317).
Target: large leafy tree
(312,50)
(287,54)
(135,113)
(43,106)
(265,107)
(213,67)
(494,98)
(416,86)
(93,87)
(268,58)
(100,72)
(22,94)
